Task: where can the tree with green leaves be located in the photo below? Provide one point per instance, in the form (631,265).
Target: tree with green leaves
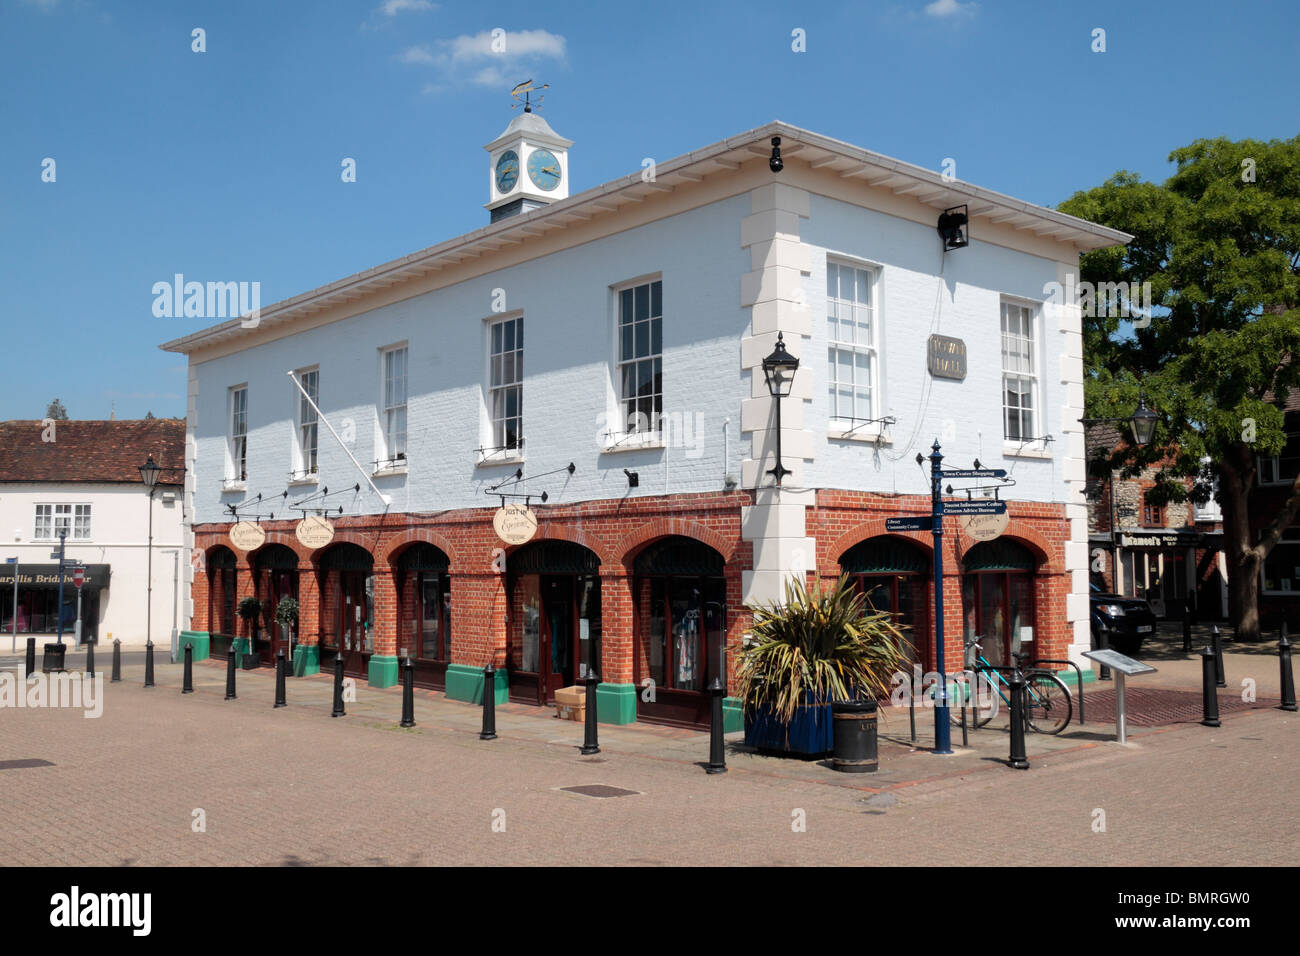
(56,411)
(1219,241)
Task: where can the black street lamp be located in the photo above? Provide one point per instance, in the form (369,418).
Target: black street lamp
(1143,422)
(149,472)
(779,369)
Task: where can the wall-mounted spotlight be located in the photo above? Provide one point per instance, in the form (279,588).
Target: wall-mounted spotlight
(954,228)
(775,164)
(633,478)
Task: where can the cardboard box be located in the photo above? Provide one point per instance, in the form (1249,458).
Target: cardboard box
(572,696)
(569,712)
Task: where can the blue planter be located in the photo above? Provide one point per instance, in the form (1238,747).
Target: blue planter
(811,732)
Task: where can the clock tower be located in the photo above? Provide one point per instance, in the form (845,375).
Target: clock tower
(528,166)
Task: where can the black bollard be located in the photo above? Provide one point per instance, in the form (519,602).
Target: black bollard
(1209,696)
(117,660)
(408,694)
(187,684)
(589,743)
(1103,643)
(717,752)
(1288,678)
(31,656)
(230,673)
(1218,657)
(148,664)
(489,731)
(280,700)
(90,658)
(338,687)
(1019,759)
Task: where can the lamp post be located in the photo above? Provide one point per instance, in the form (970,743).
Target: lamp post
(778,370)
(149,472)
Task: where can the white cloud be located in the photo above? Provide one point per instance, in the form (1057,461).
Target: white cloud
(416,54)
(392,8)
(950,8)
(470,58)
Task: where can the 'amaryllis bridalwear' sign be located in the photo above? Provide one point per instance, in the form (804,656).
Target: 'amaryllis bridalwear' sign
(515,524)
(984,527)
(314,532)
(247,536)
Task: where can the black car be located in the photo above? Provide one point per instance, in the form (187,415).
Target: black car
(1125,620)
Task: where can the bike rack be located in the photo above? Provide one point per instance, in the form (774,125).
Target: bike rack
(1079,684)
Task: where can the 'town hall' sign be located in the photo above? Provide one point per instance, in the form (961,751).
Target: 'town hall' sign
(946,357)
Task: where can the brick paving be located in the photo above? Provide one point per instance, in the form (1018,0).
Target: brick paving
(295,787)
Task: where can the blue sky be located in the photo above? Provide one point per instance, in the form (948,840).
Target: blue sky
(225,165)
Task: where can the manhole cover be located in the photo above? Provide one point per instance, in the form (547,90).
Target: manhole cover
(24,763)
(600,790)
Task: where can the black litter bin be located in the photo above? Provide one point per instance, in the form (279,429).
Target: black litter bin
(855,736)
(52,663)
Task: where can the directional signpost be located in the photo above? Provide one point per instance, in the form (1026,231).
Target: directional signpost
(974,507)
(911,523)
(976,473)
(78,578)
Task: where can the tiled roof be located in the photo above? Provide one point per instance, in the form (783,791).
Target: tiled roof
(93,451)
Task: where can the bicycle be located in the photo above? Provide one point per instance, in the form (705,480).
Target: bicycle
(1048,704)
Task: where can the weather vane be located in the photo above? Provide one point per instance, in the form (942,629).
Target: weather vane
(525,88)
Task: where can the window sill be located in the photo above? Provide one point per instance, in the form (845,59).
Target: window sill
(305,480)
(1016,450)
(498,458)
(229,485)
(868,436)
(634,442)
(389,471)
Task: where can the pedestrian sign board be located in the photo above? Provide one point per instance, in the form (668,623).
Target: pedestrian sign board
(976,473)
(909,524)
(974,507)
(78,576)
(1119,662)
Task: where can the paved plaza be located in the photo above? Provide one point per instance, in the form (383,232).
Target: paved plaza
(289,786)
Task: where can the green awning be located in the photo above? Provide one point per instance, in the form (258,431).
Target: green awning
(553,557)
(1000,554)
(679,555)
(885,554)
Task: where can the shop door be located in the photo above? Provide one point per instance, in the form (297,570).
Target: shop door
(557,665)
(283,584)
(355,618)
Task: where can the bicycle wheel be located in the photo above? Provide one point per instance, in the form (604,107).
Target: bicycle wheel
(972,709)
(1047,703)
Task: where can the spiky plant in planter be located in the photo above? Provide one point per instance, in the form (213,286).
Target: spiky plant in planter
(822,645)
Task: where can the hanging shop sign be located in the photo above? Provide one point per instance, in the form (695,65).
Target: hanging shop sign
(946,357)
(515,524)
(247,536)
(984,527)
(314,532)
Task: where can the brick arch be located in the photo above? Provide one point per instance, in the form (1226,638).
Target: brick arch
(290,541)
(560,532)
(634,543)
(362,541)
(871,528)
(1022,533)
(396,545)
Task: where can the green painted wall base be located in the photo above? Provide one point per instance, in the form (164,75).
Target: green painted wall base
(383,670)
(306,659)
(465,683)
(733,717)
(1068,676)
(616,703)
(201,641)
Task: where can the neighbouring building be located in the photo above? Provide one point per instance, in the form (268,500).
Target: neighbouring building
(601,354)
(1275,475)
(82,479)
(1165,553)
